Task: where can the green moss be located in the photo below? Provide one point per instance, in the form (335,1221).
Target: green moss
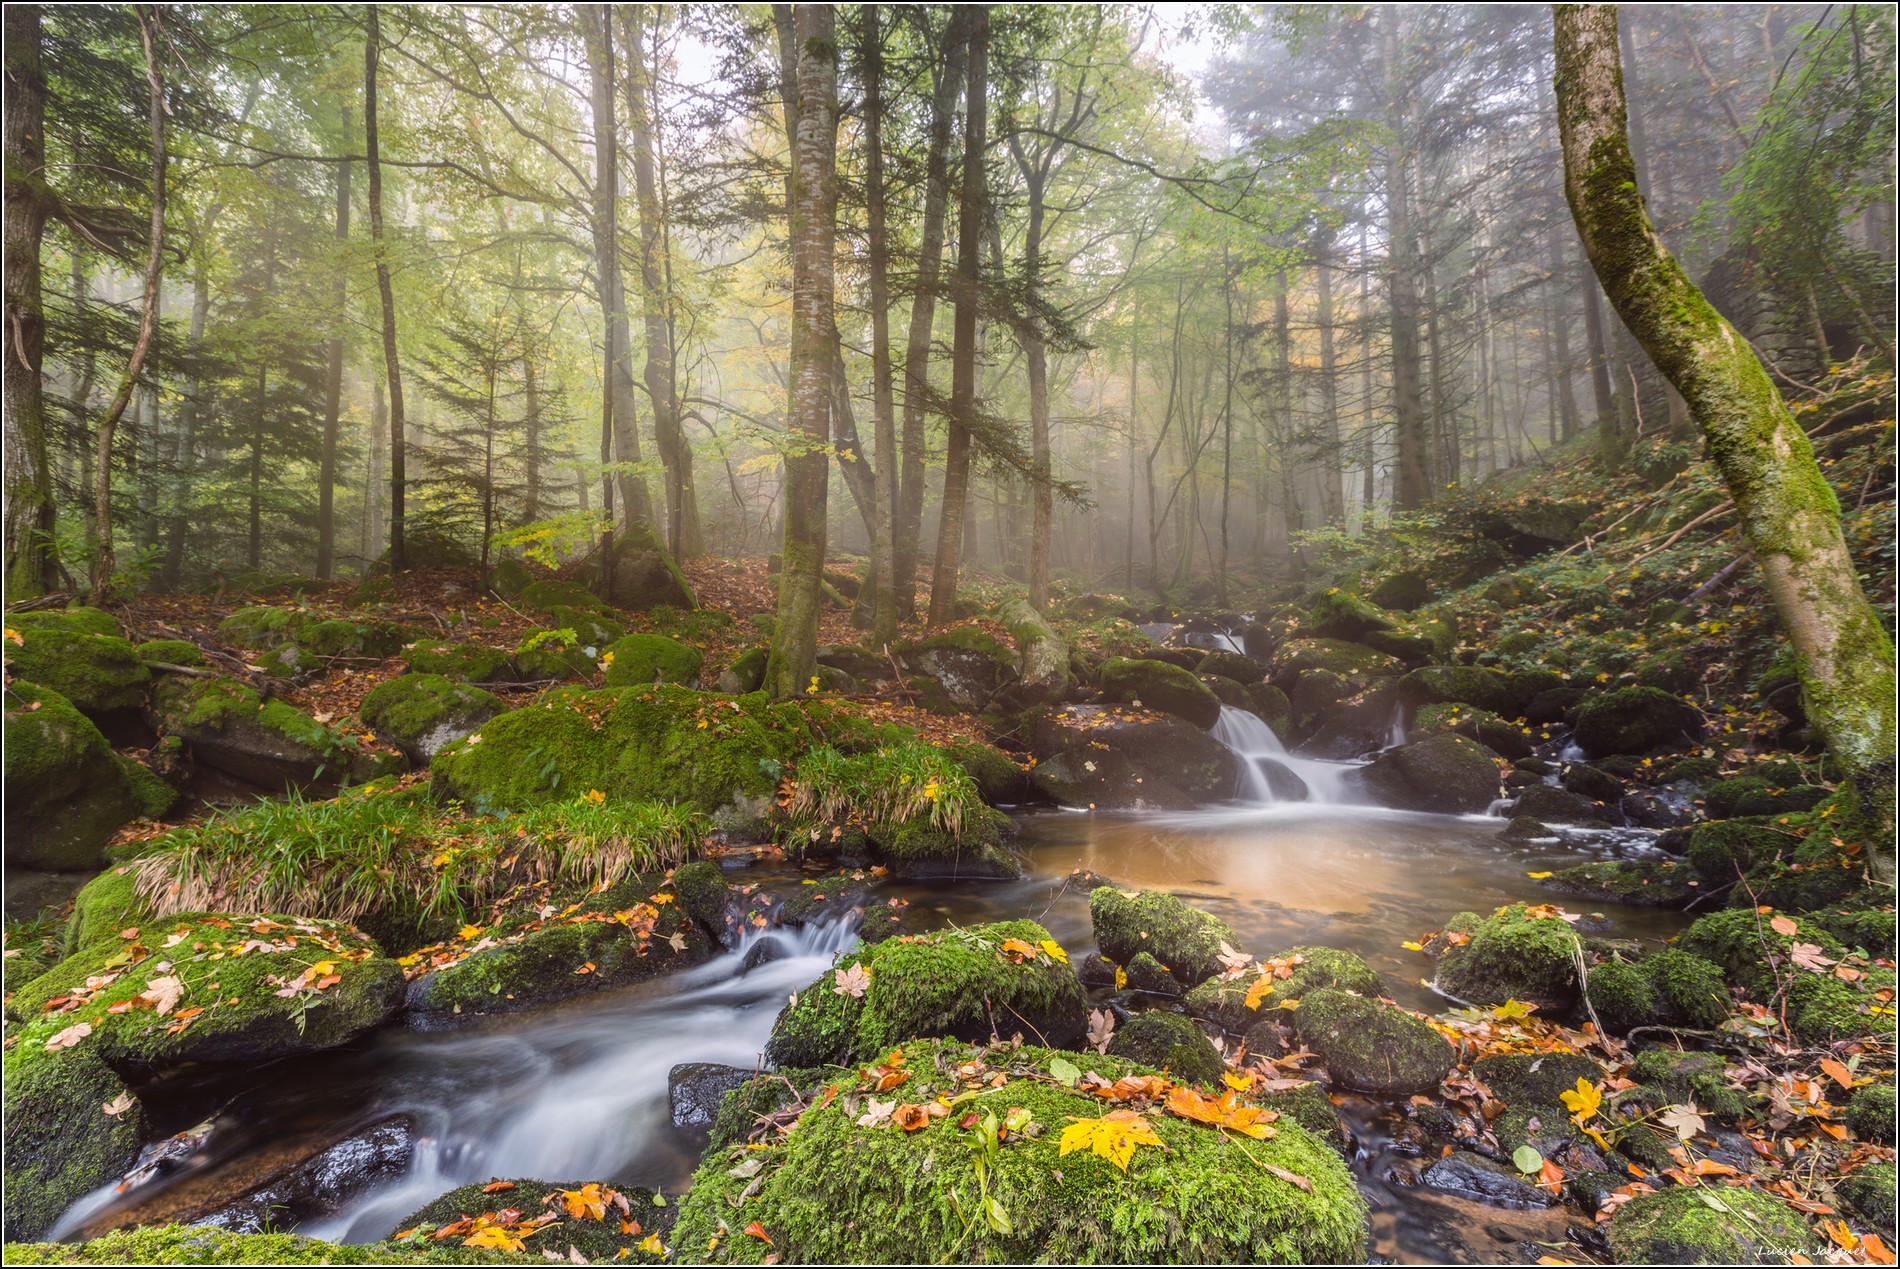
(420,713)
(598,1241)
(262,627)
(1233,665)
(594,630)
(65,791)
(1535,1080)
(741,1109)
(1870,929)
(103,907)
(955,983)
(1224,1000)
(1690,986)
(358,639)
(59,1144)
(1310,1108)
(70,620)
(1513,955)
(99,674)
(1340,614)
(1724,850)
(645,658)
(152,795)
(1634,720)
(1185,939)
(1679,1226)
(171,652)
(1145,973)
(202,1245)
(553,654)
(1826,1009)
(1158,685)
(700,890)
(832,1191)
(548,594)
(998,778)
(1683,1077)
(1171,1043)
(1655,883)
(1370,1045)
(468,661)
(1353,662)
(1461,684)
(1870,1190)
(1476,724)
(1622,995)
(1736,940)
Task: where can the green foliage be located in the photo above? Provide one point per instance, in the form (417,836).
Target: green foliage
(884,788)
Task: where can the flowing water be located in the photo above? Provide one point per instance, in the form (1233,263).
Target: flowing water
(579,1090)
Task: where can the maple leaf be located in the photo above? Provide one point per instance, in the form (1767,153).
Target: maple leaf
(1017,950)
(1261,989)
(69,1037)
(678,941)
(1231,959)
(1582,1101)
(1512,1009)
(876,1112)
(1808,956)
(1114,1136)
(852,982)
(1682,1120)
(586,1203)
(119,1105)
(1054,949)
(496,1237)
(164,992)
(651,1245)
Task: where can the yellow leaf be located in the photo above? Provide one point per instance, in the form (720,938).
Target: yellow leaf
(13,636)
(1583,1101)
(651,1245)
(586,1203)
(1537,876)
(1261,989)
(1512,1009)
(1121,978)
(496,1237)
(1114,1136)
(470,931)
(1055,951)
(1413,947)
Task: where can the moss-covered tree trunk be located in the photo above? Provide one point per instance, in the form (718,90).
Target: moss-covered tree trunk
(1790,517)
(30,565)
(814,334)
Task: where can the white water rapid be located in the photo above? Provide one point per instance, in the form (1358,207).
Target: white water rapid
(1269,774)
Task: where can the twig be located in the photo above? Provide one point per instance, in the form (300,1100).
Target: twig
(1718,579)
(193,671)
(1704,518)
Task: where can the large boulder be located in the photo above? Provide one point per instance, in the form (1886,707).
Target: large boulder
(1464,684)
(1356,723)
(101,675)
(847,1184)
(1163,750)
(420,713)
(970,983)
(650,658)
(1339,614)
(1237,666)
(1634,720)
(1158,685)
(1449,773)
(968,662)
(1104,779)
(643,575)
(1518,953)
(268,743)
(1169,1042)
(280,986)
(1372,1046)
(1043,676)
(1703,1226)
(1357,664)
(66,792)
(1186,940)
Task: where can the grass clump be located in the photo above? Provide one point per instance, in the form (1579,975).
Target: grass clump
(884,788)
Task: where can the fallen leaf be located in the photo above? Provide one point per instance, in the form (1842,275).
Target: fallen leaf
(69,1037)
(164,992)
(875,1114)
(496,1187)
(1709,1167)
(1838,1072)
(1783,926)
(757,1230)
(1582,1101)
(910,1117)
(1808,956)
(1682,1120)
(852,982)
(1114,1136)
(586,1203)
(119,1105)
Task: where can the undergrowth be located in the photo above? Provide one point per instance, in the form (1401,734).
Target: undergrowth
(882,788)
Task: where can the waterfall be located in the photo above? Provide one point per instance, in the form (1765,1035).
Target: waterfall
(1268,773)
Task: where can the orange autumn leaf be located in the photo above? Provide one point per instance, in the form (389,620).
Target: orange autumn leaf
(496,1187)
(1709,1167)
(586,1203)
(1877,1251)
(1550,1177)
(757,1230)
(1838,1072)
(1783,926)
(1018,950)
(910,1117)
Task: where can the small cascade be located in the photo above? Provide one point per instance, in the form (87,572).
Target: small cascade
(1268,773)
(1396,736)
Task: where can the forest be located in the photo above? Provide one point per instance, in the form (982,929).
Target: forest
(1217,633)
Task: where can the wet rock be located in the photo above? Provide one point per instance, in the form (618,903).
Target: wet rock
(1648,883)
(969,663)
(1227,691)
(1272,705)
(1043,676)
(267,743)
(1270,1037)
(1146,974)
(745,674)
(1372,1046)
(1871,1190)
(1340,614)
(1870,1113)
(1587,781)
(1243,669)
(1511,955)
(1187,659)
(1106,780)
(1184,938)
(1485,1180)
(1461,684)
(1096,971)
(1357,664)
(1169,1042)
(1524,828)
(1442,773)
(1558,806)
(1355,724)
(324,1183)
(1504,739)
(695,1089)
(1158,685)
(1166,753)
(1634,720)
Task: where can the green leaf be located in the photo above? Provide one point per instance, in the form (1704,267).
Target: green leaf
(1528,1160)
(1065,1071)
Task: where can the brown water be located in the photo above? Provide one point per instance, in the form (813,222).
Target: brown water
(578,1090)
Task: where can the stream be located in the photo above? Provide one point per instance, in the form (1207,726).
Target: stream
(578,1090)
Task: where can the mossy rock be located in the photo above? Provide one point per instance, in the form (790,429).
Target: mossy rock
(1634,720)
(1689,987)
(1471,685)
(470,662)
(1354,662)
(100,674)
(54,1126)
(1450,774)
(509,577)
(1501,738)
(634,743)
(1158,685)
(1146,974)
(1340,614)
(597,1241)
(1870,1190)
(954,983)
(1404,591)
(1240,668)
(1372,1046)
(170,652)
(646,658)
(1535,1079)
(593,629)
(1684,1077)
(1184,938)
(1822,1010)
(1408,646)
(1682,1226)
(548,654)
(548,594)
(1870,929)
(262,627)
(919,849)
(1735,940)
(1223,1001)
(1171,1043)
(833,1191)
(363,640)
(104,906)
(746,673)
(421,713)
(1272,705)
(998,778)
(1514,955)
(1722,851)
(66,793)
(1648,883)
(92,621)
(267,743)
(1622,996)
(644,573)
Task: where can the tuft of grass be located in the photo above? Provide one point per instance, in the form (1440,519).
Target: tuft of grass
(883,788)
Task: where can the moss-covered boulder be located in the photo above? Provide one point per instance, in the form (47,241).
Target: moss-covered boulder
(594,629)
(1158,685)
(469,662)
(1669,986)
(156,1000)
(1403,591)
(1348,724)
(1164,755)
(968,665)
(1870,1113)
(1272,705)
(1043,676)
(595,1240)
(66,793)
(847,1187)
(170,652)
(261,627)
(1871,1190)
(650,658)
(644,574)
(1471,685)
(1668,1076)
(1371,1046)
(1646,883)
(1449,773)
(80,620)
(1724,850)
(1237,666)
(1739,941)
(1507,740)
(101,675)
(420,713)
(548,594)
(1289,975)
(1727,1225)
(204,1245)
(269,743)
(1340,614)
(634,743)
(1353,662)
(1171,1043)
(966,983)
(1515,954)
(746,672)
(1183,938)
(1635,720)
(105,907)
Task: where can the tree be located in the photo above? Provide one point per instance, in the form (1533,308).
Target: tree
(333,383)
(1789,514)
(392,364)
(31,566)
(814,336)
(883,402)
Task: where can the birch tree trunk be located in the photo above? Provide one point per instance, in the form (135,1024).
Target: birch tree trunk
(1789,514)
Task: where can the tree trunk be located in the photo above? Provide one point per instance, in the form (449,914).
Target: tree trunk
(182,456)
(923,307)
(392,366)
(102,558)
(1407,406)
(373,474)
(531,401)
(814,338)
(333,383)
(31,567)
(883,402)
(1789,515)
(682,508)
(956,466)
(1333,474)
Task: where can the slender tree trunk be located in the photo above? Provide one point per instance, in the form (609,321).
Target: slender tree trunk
(373,476)
(254,541)
(883,400)
(814,339)
(102,557)
(676,455)
(531,401)
(956,466)
(333,383)
(183,455)
(31,567)
(1560,332)
(1333,474)
(1408,408)
(1036,355)
(1789,515)
(392,364)
(923,306)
